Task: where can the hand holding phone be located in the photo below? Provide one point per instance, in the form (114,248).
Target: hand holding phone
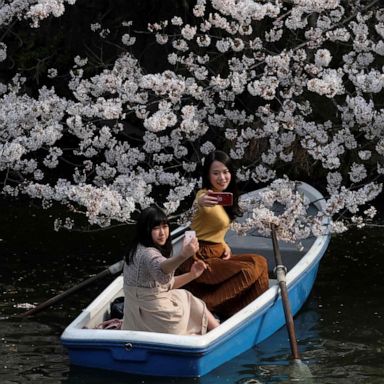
(190,243)
(188,236)
(223,198)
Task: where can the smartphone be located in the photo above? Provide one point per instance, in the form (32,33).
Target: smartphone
(223,198)
(188,236)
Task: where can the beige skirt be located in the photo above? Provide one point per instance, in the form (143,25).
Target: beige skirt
(174,311)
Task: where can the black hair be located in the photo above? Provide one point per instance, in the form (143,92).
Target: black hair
(234,210)
(148,219)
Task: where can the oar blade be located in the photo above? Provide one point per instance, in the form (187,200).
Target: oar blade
(300,372)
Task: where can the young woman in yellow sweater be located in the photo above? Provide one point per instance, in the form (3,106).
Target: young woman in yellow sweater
(231,281)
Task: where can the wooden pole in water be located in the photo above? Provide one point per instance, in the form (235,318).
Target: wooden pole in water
(281,278)
(111,270)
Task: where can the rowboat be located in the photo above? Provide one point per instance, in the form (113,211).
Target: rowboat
(160,354)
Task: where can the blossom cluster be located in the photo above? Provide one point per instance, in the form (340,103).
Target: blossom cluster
(295,218)
(280,85)
(283,206)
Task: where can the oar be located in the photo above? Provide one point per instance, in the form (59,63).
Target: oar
(111,270)
(301,369)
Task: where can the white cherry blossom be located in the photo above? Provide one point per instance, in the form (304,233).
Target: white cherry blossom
(282,87)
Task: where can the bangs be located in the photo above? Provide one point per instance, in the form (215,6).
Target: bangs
(159,218)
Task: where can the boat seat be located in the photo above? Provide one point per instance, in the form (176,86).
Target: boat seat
(255,243)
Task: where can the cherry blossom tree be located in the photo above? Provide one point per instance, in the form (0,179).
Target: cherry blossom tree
(292,90)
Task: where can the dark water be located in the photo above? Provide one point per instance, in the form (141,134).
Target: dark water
(340,329)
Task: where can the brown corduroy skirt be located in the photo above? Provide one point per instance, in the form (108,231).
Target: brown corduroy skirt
(226,286)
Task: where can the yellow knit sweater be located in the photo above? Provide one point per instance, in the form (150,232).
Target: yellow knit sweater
(210,223)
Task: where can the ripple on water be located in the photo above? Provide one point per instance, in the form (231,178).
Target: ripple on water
(31,352)
(333,360)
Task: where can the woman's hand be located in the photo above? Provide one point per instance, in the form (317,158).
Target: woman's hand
(197,268)
(207,200)
(227,252)
(189,249)
(170,264)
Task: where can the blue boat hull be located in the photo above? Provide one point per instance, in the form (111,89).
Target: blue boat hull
(181,362)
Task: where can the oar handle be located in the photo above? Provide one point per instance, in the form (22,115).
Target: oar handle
(276,249)
(116,268)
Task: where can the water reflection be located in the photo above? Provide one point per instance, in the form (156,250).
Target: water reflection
(340,329)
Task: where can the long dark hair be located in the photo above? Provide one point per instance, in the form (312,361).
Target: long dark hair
(150,218)
(234,210)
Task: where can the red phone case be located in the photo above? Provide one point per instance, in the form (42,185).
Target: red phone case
(223,198)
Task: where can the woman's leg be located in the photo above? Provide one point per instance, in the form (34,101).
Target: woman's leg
(250,281)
